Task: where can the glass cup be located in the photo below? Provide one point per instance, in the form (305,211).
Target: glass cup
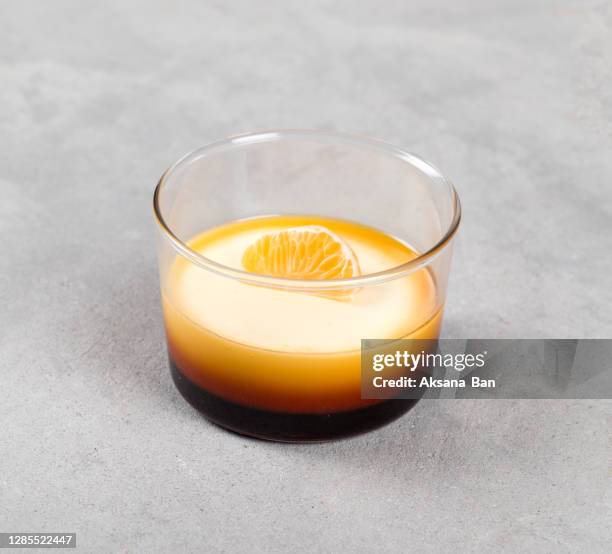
(300,381)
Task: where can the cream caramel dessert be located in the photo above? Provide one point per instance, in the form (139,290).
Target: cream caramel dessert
(281,363)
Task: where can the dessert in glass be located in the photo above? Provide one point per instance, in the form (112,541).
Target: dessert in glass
(278,253)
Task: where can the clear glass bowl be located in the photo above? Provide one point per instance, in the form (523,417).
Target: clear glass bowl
(295,388)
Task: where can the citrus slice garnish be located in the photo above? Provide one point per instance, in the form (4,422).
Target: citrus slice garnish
(309,252)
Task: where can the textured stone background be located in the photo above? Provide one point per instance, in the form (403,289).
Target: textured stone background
(511,99)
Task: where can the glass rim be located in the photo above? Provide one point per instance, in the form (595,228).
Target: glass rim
(241,140)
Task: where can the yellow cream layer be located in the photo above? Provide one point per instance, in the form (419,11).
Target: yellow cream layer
(292,321)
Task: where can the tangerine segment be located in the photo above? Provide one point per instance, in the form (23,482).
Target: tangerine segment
(309,252)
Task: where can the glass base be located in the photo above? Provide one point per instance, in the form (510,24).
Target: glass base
(284,426)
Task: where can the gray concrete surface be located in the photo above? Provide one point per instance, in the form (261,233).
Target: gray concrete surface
(511,99)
